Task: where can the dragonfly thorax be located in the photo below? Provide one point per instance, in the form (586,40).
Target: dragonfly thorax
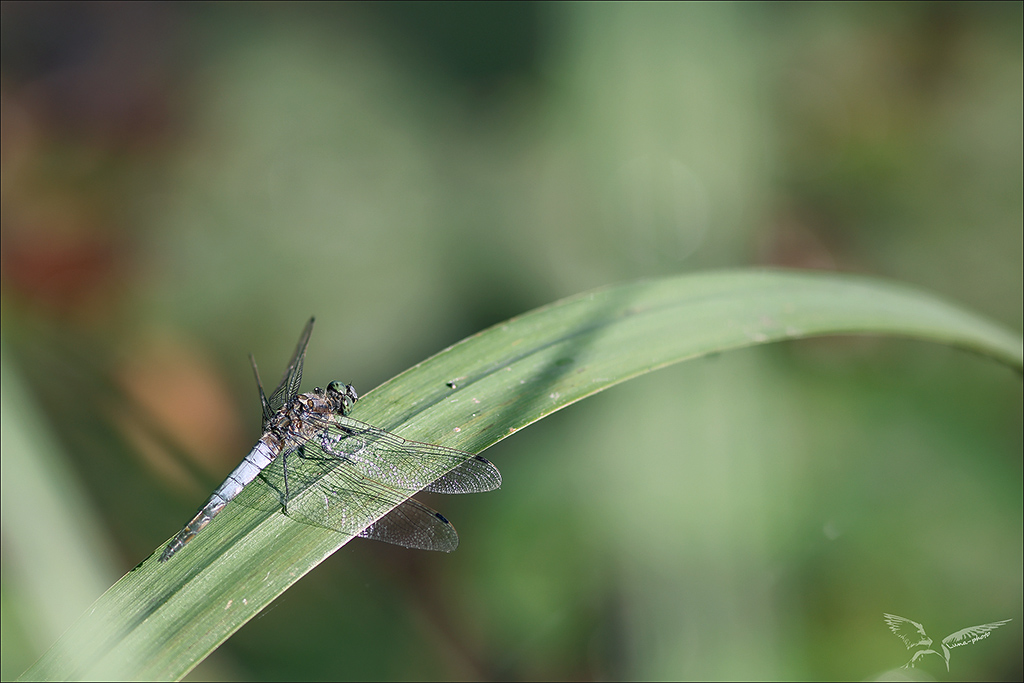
(317,406)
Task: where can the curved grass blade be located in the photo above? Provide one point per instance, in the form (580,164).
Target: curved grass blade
(159,621)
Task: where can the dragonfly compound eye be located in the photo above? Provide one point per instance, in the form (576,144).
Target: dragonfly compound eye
(346,390)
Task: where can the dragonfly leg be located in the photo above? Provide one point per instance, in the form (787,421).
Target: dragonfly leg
(284,468)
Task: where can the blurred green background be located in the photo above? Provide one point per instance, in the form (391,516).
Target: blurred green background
(184,184)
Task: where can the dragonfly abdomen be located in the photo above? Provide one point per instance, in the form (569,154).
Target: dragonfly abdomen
(195,525)
(250,467)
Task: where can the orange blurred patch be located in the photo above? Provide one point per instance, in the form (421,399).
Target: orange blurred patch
(173,383)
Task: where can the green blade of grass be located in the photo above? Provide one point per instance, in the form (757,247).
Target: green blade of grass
(160,620)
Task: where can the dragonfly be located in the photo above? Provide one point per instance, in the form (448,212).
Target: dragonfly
(323,468)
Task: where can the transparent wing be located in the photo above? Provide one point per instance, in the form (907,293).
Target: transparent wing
(321,494)
(289,385)
(341,470)
(910,632)
(268,415)
(413,525)
(972,635)
(375,454)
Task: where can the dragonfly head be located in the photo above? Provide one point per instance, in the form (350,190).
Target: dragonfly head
(347,392)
